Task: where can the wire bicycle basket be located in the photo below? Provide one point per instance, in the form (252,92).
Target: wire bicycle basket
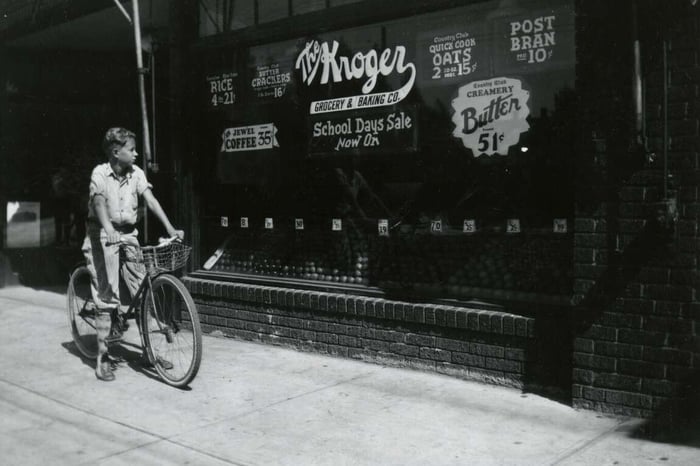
(164,258)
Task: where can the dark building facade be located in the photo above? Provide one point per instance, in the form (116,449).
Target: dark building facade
(504,191)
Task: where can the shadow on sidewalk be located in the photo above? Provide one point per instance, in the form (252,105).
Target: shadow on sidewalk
(123,355)
(678,420)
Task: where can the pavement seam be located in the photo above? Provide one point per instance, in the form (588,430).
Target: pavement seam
(158,438)
(587,444)
(223,460)
(25,302)
(270,405)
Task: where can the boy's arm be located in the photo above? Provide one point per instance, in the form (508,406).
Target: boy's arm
(156,208)
(99,203)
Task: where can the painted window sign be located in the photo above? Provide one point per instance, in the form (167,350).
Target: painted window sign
(490,115)
(449,55)
(248,138)
(270,81)
(321,61)
(222,89)
(270,70)
(534,41)
(365,132)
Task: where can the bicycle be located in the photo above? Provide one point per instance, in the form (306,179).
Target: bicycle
(163,309)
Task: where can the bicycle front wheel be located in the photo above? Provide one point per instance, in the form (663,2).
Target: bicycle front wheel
(171,331)
(81,312)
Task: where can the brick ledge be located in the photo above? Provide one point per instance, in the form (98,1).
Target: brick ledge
(481,320)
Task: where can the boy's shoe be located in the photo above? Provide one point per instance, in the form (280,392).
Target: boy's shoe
(164,363)
(103,371)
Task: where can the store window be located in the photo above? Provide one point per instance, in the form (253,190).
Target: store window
(426,156)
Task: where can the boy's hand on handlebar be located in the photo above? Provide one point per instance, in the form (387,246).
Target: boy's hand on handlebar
(180,234)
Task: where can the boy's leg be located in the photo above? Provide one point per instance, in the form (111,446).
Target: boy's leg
(133,272)
(132,268)
(103,264)
(103,323)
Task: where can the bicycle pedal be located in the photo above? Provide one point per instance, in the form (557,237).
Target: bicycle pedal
(114,338)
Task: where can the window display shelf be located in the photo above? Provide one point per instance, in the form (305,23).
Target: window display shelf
(501,267)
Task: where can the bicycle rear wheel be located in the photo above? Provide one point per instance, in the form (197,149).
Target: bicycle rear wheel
(171,331)
(81,312)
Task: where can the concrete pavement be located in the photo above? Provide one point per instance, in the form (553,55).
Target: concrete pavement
(255,404)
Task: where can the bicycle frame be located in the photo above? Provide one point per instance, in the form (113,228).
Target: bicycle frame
(143,293)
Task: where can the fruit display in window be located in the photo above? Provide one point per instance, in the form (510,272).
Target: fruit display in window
(458,266)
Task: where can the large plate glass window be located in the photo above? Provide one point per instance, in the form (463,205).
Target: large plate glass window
(429,155)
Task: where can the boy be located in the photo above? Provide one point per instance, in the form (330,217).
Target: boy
(115,187)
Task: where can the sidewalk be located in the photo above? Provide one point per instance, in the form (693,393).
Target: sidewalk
(255,404)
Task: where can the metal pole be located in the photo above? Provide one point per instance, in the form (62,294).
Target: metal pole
(142,98)
(154,165)
(665,116)
(637,85)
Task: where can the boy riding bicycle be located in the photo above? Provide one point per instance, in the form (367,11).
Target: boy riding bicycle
(115,187)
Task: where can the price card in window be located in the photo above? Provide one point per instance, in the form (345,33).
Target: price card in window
(337,224)
(513,225)
(436,226)
(469,226)
(383,227)
(244,222)
(222,88)
(269,224)
(560,225)
(298,223)
(224,222)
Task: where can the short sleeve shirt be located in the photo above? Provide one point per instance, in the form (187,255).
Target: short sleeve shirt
(120,193)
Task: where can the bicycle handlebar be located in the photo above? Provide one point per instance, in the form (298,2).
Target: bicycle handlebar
(166,241)
(161,241)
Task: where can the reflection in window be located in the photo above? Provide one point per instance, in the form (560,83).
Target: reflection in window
(217,16)
(242,13)
(272,10)
(342,2)
(299,7)
(210,22)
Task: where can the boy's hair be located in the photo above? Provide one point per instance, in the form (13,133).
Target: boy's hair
(116,137)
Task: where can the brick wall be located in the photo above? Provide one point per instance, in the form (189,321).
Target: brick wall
(491,346)
(636,346)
